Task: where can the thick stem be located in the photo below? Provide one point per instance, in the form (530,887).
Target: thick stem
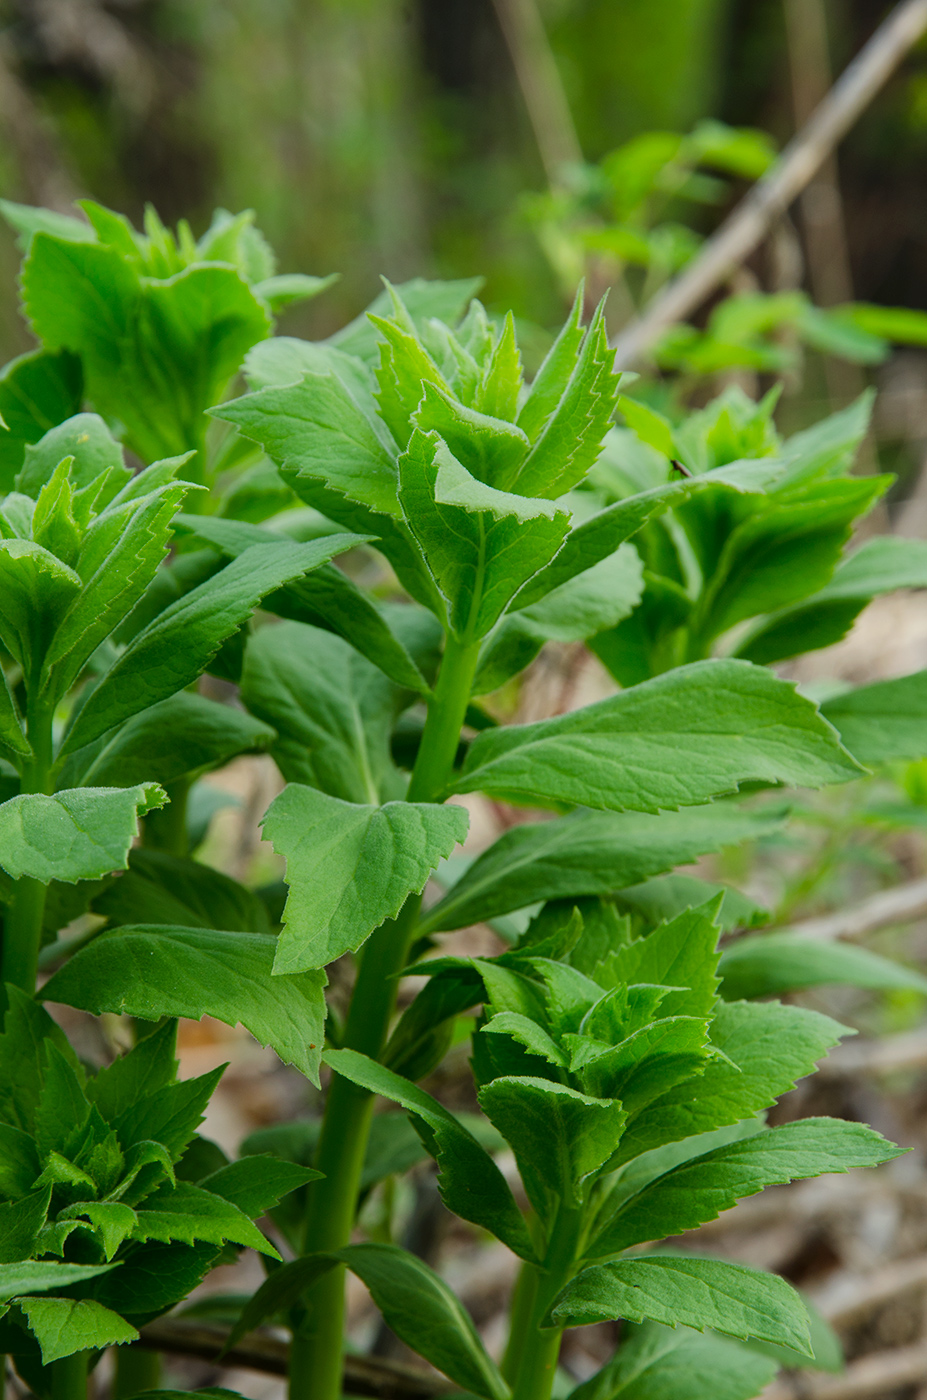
(136,1371)
(69,1377)
(531,1357)
(316,1360)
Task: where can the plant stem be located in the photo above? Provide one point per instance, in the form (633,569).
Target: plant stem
(531,1357)
(69,1377)
(316,1360)
(22,931)
(137,1370)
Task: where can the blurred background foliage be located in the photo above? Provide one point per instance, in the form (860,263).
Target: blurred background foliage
(392,136)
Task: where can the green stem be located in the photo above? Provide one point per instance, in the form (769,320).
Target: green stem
(531,1357)
(69,1377)
(22,930)
(316,1356)
(137,1370)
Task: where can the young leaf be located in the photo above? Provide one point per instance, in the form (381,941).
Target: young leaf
(698,1293)
(559,1137)
(37,391)
(371,859)
(588,853)
(480,544)
(188,1213)
(256,1184)
(180,643)
(31,1277)
(422,299)
(27,1032)
(657,1363)
(158,971)
(772,963)
(423,1312)
(79,834)
(671,742)
(470,1183)
(700,1189)
(149,1066)
(62,1326)
(183,735)
(883,722)
(20,1222)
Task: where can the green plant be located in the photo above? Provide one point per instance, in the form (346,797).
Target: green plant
(630,1093)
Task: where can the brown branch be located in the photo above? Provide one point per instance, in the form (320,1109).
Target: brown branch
(364,1375)
(784,181)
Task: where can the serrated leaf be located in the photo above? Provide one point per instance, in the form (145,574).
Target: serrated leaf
(159,971)
(333,712)
(551,380)
(588,853)
(698,1293)
(769,964)
(470,1183)
(154,1277)
(315,428)
(422,299)
(490,449)
(325,598)
(883,722)
(733,723)
(150,1065)
(19,1162)
(280,1291)
(594,600)
(187,1213)
(186,734)
(559,1136)
(769,1047)
(659,1363)
(480,544)
(256,1184)
(27,1031)
(98,467)
(37,391)
(423,1312)
(372,859)
(878,566)
(30,1277)
(113,1221)
(35,590)
(163,889)
(700,1189)
(182,640)
(79,834)
(20,1223)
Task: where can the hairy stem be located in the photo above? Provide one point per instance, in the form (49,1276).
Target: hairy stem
(531,1357)
(316,1360)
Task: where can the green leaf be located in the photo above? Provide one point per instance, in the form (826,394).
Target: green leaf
(287,288)
(370,859)
(98,459)
(166,1118)
(490,449)
(332,710)
(883,722)
(20,1222)
(62,1326)
(551,380)
(571,439)
(187,1213)
(766,1048)
(559,1137)
(680,955)
(594,600)
(325,598)
(35,589)
(156,353)
(113,1221)
(669,895)
(12,737)
(878,566)
(315,428)
(470,1183)
(163,889)
(27,1031)
(79,834)
(19,1162)
(154,1277)
(733,723)
(700,1189)
(158,971)
(588,853)
(39,1278)
(279,1292)
(698,1293)
(182,640)
(769,964)
(422,299)
(183,735)
(256,1184)
(37,391)
(423,1312)
(480,544)
(150,1065)
(659,1363)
